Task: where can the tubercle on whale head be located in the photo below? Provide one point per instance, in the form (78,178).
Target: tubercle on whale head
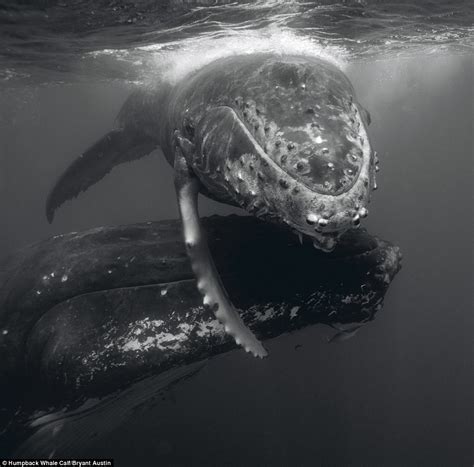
(252,179)
(323,152)
(310,167)
(265,190)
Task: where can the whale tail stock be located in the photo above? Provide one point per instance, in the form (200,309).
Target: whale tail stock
(135,136)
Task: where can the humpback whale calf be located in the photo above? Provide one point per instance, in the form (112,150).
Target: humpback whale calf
(281,136)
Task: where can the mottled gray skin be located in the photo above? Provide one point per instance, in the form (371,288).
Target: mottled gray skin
(108,317)
(278,135)
(88,311)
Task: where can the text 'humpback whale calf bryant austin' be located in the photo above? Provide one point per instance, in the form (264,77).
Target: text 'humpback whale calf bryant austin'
(281,136)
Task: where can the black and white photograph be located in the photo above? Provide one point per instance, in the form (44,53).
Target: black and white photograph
(236,233)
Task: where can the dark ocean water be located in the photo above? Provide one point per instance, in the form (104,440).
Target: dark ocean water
(399,393)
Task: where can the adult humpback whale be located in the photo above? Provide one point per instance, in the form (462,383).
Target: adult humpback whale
(99,322)
(281,136)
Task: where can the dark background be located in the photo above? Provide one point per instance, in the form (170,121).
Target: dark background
(397,394)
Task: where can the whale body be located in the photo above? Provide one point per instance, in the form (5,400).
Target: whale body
(281,136)
(99,321)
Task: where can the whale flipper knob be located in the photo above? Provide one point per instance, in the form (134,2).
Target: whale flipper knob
(208,279)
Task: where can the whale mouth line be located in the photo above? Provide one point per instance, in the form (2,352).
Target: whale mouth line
(324,240)
(263,154)
(291,174)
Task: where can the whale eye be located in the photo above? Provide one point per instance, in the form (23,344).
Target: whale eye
(189,128)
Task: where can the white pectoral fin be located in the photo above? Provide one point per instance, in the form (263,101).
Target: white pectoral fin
(208,279)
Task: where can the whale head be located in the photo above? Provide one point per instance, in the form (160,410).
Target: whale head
(292,147)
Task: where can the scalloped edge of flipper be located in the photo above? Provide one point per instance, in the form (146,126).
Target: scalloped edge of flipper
(208,279)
